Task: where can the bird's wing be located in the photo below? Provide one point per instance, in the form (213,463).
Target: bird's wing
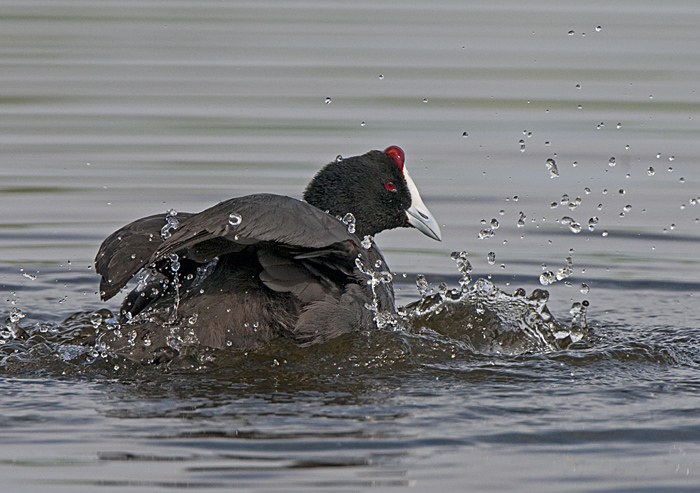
(126,251)
(227,227)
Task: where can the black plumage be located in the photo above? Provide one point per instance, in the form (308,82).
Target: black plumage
(253,268)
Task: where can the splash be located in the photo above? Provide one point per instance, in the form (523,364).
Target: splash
(470,319)
(488,320)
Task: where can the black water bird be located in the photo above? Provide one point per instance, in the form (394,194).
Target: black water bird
(253,268)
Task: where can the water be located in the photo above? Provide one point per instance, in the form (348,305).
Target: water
(110,112)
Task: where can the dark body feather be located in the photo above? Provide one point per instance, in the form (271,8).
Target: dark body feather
(287,269)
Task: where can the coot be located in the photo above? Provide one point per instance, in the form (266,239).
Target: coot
(253,268)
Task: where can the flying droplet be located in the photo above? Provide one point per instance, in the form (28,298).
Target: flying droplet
(234,219)
(491,258)
(422,284)
(349,221)
(651,171)
(486,233)
(171,222)
(465,135)
(584,288)
(592,222)
(612,162)
(547,278)
(573,225)
(328,101)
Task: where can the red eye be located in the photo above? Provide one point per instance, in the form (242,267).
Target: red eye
(390,186)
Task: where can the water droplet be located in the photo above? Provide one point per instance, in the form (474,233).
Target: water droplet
(578,86)
(587,190)
(425,100)
(491,258)
(381,77)
(521,220)
(362,124)
(621,191)
(592,222)
(571,33)
(553,205)
(598,28)
(573,225)
(465,134)
(604,233)
(494,223)
(651,171)
(366,242)
(329,101)
(619,125)
(552,167)
(422,284)
(584,288)
(671,158)
(565,271)
(349,221)
(681,180)
(171,222)
(464,267)
(486,233)
(378,264)
(612,162)
(338,158)
(547,278)
(522,145)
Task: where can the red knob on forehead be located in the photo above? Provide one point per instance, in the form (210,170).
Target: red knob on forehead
(396,154)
